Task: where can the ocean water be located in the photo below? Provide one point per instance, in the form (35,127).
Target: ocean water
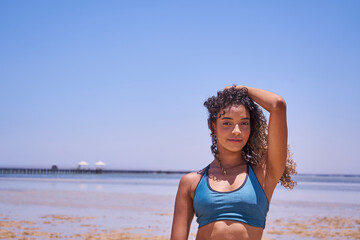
(310,188)
(142,201)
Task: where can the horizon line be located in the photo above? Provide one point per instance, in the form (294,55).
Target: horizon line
(104,170)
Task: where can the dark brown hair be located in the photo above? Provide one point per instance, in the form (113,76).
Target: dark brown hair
(256,147)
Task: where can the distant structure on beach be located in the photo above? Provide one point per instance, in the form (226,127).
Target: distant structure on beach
(100,165)
(82,168)
(83,165)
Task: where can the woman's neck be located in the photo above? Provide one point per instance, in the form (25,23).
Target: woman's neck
(230,159)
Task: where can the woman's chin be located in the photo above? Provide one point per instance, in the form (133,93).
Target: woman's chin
(233,150)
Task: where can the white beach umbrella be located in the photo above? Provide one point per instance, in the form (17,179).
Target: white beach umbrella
(100,164)
(83,163)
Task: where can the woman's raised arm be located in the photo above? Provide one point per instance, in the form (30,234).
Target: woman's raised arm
(277,130)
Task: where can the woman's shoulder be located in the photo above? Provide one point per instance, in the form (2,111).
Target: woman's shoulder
(192,176)
(191,179)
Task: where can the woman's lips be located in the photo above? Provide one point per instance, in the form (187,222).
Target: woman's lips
(235,140)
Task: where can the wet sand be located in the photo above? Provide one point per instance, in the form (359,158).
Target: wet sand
(318,228)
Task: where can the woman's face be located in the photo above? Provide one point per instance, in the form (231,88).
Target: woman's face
(233,128)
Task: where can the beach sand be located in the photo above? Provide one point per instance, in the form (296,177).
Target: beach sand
(69,214)
(318,228)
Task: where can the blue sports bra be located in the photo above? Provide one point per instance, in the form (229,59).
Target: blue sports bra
(247,204)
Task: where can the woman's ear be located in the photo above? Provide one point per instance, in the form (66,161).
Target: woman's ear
(211,126)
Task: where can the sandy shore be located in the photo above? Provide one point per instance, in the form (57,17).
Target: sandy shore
(317,228)
(42,229)
(55,213)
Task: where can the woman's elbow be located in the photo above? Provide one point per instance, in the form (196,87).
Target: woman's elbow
(279,104)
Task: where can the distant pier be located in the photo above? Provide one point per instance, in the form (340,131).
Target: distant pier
(5,171)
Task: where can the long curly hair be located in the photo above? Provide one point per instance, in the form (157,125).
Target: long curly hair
(256,146)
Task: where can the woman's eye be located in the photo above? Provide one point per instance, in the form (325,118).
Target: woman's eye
(245,123)
(226,123)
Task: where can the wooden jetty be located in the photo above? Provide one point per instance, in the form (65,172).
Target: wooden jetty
(6,171)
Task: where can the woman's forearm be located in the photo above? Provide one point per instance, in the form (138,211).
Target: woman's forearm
(268,100)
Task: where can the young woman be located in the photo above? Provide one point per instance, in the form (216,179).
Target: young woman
(231,196)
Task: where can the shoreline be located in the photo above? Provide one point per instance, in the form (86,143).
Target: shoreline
(6,171)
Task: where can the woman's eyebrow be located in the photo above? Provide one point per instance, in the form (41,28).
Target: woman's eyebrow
(246,118)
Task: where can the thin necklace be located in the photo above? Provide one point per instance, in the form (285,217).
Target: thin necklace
(223,170)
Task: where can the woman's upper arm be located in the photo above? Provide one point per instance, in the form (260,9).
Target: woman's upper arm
(277,140)
(184,212)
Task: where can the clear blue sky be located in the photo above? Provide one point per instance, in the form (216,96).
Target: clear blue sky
(124,81)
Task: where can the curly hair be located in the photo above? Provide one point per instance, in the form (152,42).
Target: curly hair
(256,146)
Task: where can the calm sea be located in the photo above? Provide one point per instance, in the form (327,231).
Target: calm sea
(310,187)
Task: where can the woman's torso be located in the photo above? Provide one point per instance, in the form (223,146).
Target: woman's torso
(235,185)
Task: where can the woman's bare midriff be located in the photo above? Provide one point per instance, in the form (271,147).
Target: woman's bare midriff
(229,230)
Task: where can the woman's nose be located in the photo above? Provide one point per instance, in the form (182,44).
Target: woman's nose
(236,130)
